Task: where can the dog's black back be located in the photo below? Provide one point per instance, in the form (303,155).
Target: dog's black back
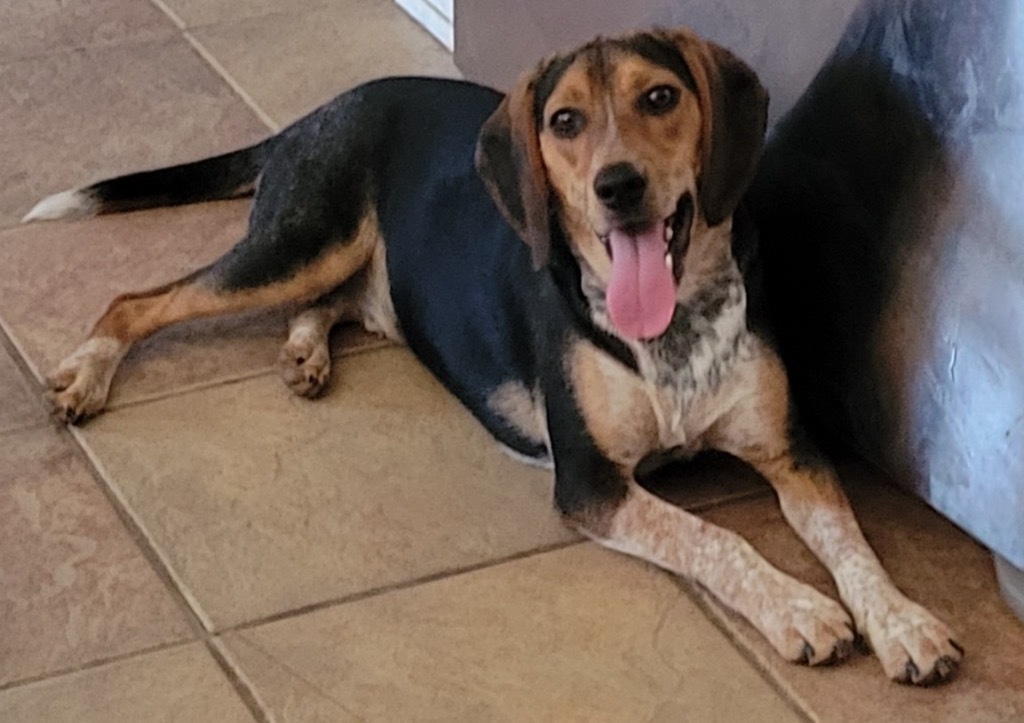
(451,255)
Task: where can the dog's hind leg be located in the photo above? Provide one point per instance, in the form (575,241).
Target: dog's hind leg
(305,359)
(275,264)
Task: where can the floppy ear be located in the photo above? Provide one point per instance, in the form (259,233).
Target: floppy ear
(734,110)
(509,162)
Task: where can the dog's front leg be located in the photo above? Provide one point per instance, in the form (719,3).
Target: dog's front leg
(911,643)
(599,426)
(803,625)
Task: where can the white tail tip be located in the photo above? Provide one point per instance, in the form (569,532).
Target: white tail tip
(66,204)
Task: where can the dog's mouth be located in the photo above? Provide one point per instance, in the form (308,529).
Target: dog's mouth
(647,264)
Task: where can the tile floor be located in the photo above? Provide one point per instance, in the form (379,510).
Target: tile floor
(214,549)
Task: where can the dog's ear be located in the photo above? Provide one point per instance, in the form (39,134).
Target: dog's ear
(509,162)
(734,110)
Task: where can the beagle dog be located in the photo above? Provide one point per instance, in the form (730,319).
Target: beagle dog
(628,327)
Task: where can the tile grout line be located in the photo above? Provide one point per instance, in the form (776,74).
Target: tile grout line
(403,585)
(717,618)
(157,558)
(266,371)
(240,682)
(21,357)
(91,664)
(171,15)
(241,92)
(217,67)
(726,500)
(187,389)
(196,618)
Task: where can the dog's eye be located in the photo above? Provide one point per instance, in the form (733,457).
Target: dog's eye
(567,123)
(658,100)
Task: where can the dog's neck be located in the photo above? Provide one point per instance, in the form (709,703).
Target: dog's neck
(710,314)
(570,279)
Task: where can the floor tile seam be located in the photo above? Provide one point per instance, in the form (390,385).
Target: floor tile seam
(93,664)
(227,380)
(712,611)
(243,686)
(28,369)
(157,558)
(380,591)
(210,59)
(178,21)
(199,623)
(228,78)
(240,640)
(188,389)
(727,500)
(217,67)
(28,375)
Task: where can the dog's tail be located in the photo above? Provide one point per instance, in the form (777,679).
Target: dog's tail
(226,176)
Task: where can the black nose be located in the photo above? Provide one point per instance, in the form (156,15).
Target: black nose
(620,186)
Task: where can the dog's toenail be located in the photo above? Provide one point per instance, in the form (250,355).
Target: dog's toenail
(842,651)
(861,644)
(944,668)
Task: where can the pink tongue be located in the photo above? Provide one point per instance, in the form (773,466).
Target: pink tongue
(642,291)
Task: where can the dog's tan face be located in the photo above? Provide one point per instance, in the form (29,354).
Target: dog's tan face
(621,144)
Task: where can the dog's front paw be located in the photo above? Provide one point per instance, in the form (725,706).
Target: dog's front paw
(807,627)
(78,389)
(305,362)
(913,645)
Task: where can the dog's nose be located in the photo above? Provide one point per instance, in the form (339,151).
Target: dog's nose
(620,186)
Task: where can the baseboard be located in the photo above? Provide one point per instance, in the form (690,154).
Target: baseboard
(437,16)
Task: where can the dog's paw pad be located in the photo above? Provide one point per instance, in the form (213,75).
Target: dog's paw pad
(305,366)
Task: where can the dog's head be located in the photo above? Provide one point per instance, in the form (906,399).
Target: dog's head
(630,141)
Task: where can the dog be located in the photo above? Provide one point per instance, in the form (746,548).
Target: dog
(629,326)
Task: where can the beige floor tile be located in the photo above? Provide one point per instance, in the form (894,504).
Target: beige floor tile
(580,634)
(58,278)
(194,13)
(292,62)
(19,406)
(35,27)
(264,503)
(71,118)
(933,562)
(73,585)
(178,685)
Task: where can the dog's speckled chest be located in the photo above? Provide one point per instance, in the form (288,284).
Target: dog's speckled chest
(683,370)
